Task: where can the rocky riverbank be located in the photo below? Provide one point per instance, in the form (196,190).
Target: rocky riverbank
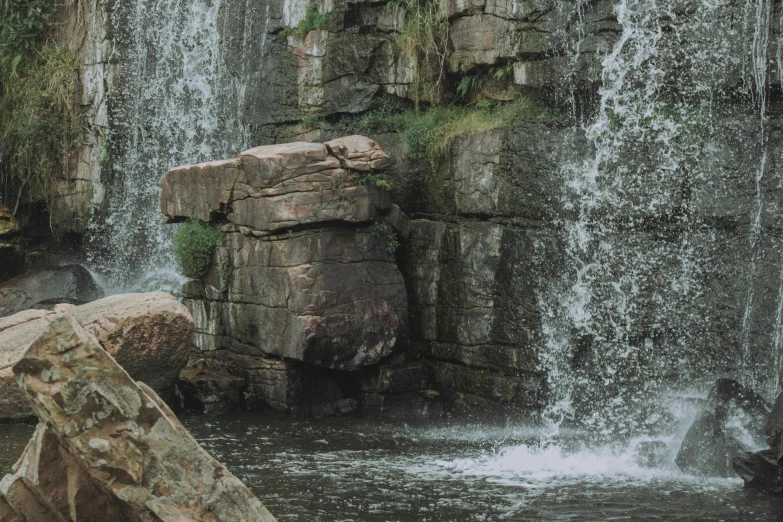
(148,334)
(107,447)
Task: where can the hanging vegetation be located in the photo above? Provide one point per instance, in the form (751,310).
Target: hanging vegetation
(39,119)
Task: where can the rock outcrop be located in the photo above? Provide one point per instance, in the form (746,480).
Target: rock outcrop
(306,281)
(148,334)
(732,424)
(46,287)
(108,448)
(686,215)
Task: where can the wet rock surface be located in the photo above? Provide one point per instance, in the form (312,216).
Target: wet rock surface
(46,287)
(108,446)
(732,424)
(148,334)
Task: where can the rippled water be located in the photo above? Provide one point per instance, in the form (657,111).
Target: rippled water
(357,470)
(360,470)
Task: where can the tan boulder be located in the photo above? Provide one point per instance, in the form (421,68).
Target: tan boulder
(148,334)
(123,436)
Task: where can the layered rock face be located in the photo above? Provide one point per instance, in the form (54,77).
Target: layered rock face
(148,334)
(305,287)
(108,448)
(646,247)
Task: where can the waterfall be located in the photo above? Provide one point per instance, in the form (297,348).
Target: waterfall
(647,238)
(165,114)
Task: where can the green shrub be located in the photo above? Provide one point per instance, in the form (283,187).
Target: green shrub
(392,243)
(24,25)
(194,245)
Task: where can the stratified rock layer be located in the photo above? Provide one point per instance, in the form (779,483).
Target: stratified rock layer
(117,435)
(277,187)
(148,334)
(305,285)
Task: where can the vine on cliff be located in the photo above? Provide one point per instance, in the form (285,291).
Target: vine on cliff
(39,120)
(423,36)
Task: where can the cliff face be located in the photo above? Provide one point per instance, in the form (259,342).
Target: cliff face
(632,232)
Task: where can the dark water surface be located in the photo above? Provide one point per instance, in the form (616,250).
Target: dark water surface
(357,470)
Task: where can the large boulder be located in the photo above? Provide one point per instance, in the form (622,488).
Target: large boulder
(11,250)
(108,443)
(148,334)
(305,285)
(731,425)
(46,287)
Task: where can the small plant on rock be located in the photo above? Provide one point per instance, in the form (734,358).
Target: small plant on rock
(194,245)
(393,243)
(226,273)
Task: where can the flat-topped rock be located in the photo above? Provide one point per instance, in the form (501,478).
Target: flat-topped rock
(148,334)
(277,187)
(124,449)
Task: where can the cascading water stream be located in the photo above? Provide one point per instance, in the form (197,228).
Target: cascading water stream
(167,113)
(622,344)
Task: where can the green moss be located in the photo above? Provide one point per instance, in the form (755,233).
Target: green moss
(194,245)
(378,181)
(39,118)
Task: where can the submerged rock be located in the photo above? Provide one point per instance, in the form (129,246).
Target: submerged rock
(731,426)
(760,471)
(66,284)
(112,443)
(148,334)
